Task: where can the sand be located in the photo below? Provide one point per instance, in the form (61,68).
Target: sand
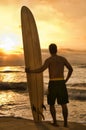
(13,123)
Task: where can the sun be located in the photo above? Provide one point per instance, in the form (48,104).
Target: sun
(9,43)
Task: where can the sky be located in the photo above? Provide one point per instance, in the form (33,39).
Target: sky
(58,21)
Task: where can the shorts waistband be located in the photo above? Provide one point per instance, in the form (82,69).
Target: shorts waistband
(56,79)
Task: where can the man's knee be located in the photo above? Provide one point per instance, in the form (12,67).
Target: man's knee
(64,106)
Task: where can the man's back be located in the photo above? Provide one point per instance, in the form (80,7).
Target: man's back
(56,66)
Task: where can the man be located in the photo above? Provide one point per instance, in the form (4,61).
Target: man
(57,87)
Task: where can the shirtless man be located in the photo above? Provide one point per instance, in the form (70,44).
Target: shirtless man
(57,87)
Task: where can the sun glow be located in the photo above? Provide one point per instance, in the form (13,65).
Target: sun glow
(9,43)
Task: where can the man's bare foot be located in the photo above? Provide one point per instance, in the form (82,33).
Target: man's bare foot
(55,124)
(65,124)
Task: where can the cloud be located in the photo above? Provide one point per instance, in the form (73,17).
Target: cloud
(12,59)
(70,8)
(64,20)
(9,2)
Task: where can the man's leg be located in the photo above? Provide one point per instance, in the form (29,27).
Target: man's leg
(53,113)
(65,114)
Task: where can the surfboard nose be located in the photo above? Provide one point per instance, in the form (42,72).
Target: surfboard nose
(24,8)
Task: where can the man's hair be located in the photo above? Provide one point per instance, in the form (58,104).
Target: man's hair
(53,48)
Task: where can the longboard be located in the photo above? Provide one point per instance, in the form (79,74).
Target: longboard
(32,56)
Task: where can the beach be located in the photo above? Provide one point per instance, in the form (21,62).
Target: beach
(11,123)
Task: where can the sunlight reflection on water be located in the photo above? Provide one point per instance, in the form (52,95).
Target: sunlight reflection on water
(14,104)
(12,74)
(17,103)
(7,97)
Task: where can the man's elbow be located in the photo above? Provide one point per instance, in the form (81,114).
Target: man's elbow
(71,70)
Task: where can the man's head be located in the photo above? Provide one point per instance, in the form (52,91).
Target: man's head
(53,48)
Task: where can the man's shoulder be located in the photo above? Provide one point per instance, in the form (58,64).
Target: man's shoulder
(48,58)
(56,57)
(62,57)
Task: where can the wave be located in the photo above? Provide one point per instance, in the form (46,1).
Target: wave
(70,85)
(77,85)
(75,93)
(21,86)
(82,66)
(10,71)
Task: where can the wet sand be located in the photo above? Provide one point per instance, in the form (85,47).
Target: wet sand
(13,123)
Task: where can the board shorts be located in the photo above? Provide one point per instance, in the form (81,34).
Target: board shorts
(57,90)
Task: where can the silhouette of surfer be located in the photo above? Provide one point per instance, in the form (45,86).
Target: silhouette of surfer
(57,83)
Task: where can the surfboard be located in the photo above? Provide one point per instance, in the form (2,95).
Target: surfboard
(33,60)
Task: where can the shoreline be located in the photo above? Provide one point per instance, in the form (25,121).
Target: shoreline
(16,123)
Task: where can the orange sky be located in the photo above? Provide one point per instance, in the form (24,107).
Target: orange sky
(59,21)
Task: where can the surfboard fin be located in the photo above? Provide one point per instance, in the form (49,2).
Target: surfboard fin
(43,106)
(41,114)
(38,112)
(33,108)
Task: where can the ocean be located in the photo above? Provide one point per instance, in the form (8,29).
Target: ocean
(14,97)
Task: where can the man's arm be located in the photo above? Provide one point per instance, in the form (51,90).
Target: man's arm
(70,70)
(38,70)
(69,75)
